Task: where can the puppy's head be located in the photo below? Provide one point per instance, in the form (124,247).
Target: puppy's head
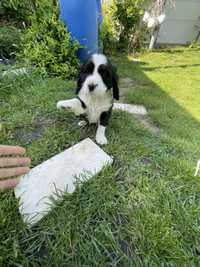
(98,75)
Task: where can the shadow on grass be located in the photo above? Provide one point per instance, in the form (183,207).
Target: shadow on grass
(170,67)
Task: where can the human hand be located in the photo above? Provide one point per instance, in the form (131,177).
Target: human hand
(12,165)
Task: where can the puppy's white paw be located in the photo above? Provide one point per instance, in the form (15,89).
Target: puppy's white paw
(101,139)
(73,104)
(82,123)
(63,105)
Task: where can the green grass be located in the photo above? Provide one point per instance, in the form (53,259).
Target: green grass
(142,211)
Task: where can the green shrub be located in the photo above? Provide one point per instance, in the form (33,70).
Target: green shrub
(127,16)
(47,44)
(17,10)
(107,33)
(10,41)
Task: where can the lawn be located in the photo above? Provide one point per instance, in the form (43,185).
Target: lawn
(142,211)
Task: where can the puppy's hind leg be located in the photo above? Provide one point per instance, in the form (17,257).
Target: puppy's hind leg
(75,105)
(103,122)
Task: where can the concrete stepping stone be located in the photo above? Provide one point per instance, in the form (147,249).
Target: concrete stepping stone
(133,109)
(57,175)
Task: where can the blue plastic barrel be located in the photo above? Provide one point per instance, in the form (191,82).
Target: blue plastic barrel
(100,22)
(81,18)
(99,10)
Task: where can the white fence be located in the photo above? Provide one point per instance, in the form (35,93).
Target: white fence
(179,27)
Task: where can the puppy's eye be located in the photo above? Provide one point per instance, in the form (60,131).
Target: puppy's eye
(103,67)
(104,71)
(89,68)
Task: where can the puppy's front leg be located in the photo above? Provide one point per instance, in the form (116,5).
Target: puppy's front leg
(100,135)
(103,122)
(74,104)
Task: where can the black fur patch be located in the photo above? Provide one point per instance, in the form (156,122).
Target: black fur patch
(82,103)
(110,78)
(85,70)
(106,75)
(105,117)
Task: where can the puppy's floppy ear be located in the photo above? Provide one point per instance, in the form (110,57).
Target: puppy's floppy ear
(115,80)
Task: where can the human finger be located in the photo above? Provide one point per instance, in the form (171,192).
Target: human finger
(12,172)
(11,150)
(8,162)
(9,183)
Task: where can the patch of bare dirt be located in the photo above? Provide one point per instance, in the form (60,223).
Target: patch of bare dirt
(148,124)
(127,84)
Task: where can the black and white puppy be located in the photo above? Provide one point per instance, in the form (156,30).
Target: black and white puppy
(97,87)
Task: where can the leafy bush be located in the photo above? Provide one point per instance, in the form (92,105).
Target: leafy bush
(107,33)
(10,41)
(47,44)
(17,10)
(127,16)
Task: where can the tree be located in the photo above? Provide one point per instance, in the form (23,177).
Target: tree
(127,17)
(155,17)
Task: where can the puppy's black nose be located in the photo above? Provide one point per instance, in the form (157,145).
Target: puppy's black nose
(91,87)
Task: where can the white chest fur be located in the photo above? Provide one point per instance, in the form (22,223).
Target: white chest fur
(96,104)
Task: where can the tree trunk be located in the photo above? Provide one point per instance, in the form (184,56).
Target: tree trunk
(154,37)
(197,38)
